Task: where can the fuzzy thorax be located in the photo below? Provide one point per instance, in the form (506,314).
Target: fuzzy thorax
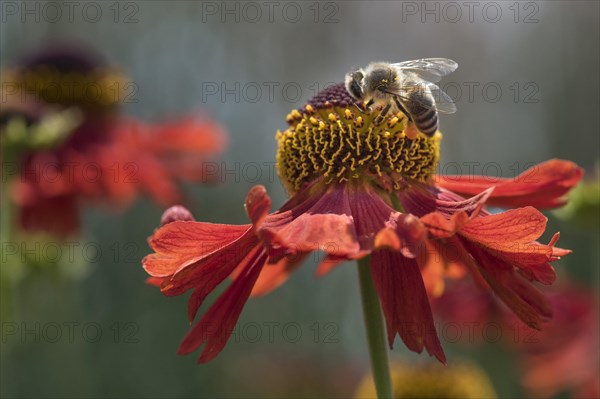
(334,139)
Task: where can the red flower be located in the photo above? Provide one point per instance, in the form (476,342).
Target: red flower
(565,355)
(106,157)
(359,187)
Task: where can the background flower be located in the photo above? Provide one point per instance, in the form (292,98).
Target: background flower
(103,156)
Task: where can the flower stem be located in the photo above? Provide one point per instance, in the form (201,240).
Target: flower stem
(375,331)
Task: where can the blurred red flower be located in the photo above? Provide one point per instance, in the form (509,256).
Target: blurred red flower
(563,357)
(106,157)
(359,187)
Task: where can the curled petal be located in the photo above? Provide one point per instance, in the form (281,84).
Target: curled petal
(542,186)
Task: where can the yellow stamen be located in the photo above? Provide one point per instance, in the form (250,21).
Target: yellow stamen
(340,143)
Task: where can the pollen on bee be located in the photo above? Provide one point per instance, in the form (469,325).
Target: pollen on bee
(393,121)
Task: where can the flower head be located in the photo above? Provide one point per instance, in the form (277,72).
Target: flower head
(361,184)
(96,154)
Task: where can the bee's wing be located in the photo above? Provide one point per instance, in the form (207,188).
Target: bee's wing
(420,91)
(430,69)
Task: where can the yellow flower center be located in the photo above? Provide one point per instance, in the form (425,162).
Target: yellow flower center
(334,139)
(98,88)
(415,381)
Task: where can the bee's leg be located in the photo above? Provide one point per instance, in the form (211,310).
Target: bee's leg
(382,114)
(361,107)
(401,108)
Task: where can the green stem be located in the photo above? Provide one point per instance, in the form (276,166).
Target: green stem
(375,331)
(8,290)
(5,202)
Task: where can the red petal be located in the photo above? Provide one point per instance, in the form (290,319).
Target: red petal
(218,323)
(328,264)
(542,186)
(178,244)
(421,200)
(519,294)
(441,227)
(404,301)
(155,281)
(205,275)
(190,135)
(342,220)
(275,274)
(318,222)
(511,236)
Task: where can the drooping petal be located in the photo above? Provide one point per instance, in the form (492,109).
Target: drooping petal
(542,186)
(205,275)
(399,285)
(513,289)
(218,323)
(207,272)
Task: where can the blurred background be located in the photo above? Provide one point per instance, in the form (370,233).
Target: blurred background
(87,325)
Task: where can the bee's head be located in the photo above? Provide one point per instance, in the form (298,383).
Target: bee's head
(354,81)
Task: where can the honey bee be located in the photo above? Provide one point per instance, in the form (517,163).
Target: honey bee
(408,87)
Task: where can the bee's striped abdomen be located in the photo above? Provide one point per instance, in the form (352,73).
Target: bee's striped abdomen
(424,117)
